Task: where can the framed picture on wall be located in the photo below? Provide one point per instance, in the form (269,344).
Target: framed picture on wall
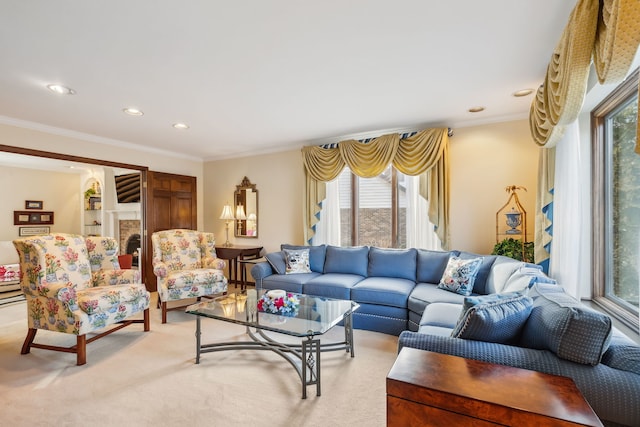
(33,231)
(33,204)
(32,218)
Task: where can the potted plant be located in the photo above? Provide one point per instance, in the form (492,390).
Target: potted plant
(514,248)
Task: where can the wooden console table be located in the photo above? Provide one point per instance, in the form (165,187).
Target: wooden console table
(234,254)
(432,389)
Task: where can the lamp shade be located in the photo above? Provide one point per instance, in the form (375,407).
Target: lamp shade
(227,213)
(240,212)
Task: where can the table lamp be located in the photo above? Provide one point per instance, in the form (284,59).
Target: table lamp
(227,215)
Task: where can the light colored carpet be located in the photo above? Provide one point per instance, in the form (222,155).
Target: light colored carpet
(134,378)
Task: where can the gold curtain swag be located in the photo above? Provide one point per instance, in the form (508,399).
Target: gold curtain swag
(560,97)
(426,151)
(608,31)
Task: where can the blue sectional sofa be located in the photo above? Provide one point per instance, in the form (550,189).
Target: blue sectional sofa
(515,315)
(392,286)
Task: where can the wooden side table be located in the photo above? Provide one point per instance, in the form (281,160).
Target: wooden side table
(431,389)
(234,254)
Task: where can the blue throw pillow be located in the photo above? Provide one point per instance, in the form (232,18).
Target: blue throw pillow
(460,275)
(347,260)
(277,262)
(495,318)
(564,325)
(397,263)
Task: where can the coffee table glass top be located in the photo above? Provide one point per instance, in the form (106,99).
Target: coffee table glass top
(306,315)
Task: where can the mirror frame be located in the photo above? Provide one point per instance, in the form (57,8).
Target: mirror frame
(240,198)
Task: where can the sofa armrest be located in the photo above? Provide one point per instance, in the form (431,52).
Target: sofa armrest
(502,354)
(52,290)
(215,263)
(261,270)
(116,277)
(160,268)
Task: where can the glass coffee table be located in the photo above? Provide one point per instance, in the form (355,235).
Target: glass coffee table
(303,316)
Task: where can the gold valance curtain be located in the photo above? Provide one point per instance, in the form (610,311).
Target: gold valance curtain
(425,152)
(608,31)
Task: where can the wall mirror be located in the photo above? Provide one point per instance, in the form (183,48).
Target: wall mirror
(246,209)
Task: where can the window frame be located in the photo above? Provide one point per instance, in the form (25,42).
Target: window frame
(355,195)
(601,188)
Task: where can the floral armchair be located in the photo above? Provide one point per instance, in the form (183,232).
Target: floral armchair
(74,285)
(185,263)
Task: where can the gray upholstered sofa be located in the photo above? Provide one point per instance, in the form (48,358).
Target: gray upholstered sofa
(515,315)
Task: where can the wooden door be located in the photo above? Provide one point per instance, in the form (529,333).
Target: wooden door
(171,204)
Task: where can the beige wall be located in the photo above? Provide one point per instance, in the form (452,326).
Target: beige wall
(484,159)
(280,183)
(59,192)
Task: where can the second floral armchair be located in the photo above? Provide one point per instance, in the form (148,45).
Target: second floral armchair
(186,266)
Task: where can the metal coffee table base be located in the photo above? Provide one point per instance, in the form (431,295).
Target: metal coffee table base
(304,357)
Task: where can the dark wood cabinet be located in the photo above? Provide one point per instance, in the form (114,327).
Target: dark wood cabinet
(171,203)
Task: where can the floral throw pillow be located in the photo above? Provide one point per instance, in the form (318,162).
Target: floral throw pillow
(460,275)
(296,261)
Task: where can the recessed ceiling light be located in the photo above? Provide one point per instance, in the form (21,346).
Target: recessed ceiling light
(476,109)
(181,126)
(523,92)
(133,111)
(61,90)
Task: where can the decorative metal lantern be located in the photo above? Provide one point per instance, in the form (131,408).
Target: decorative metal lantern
(511,219)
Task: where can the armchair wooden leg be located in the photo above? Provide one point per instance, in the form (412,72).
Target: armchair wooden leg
(26,347)
(164,312)
(146,320)
(81,349)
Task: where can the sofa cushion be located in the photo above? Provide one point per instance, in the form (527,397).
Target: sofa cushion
(479,284)
(297,261)
(288,282)
(427,293)
(383,291)
(332,285)
(460,275)
(316,255)
(560,323)
(347,260)
(502,269)
(493,318)
(441,314)
(431,264)
(277,262)
(400,263)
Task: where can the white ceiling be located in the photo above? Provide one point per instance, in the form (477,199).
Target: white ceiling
(251,76)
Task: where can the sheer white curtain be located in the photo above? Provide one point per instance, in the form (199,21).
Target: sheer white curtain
(420,231)
(567,214)
(328,228)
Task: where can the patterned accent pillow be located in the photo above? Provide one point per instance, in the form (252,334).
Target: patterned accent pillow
(495,318)
(460,275)
(297,261)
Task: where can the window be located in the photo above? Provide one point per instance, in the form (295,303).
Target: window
(616,203)
(379,216)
